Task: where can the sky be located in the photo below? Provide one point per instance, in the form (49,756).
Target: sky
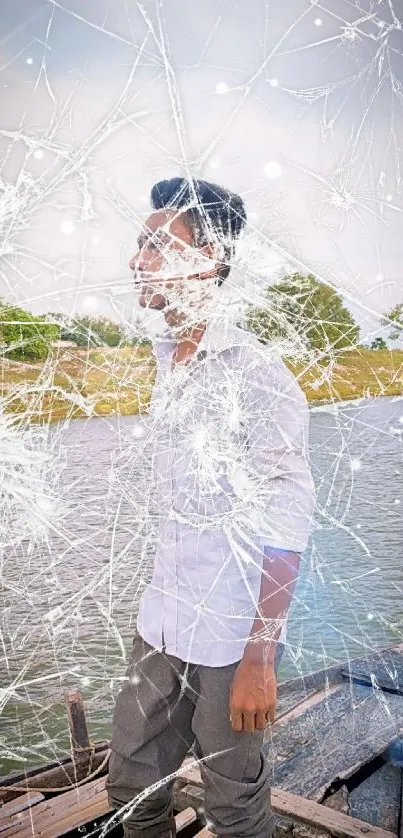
(297,106)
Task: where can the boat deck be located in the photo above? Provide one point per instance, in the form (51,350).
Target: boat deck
(336,751)
(32,815)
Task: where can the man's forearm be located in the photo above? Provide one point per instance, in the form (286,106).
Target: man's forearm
(279,576)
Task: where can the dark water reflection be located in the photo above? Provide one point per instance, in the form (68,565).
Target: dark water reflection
(69,609)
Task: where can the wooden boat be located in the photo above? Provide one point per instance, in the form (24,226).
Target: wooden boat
(336,751)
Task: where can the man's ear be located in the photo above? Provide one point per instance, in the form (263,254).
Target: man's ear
(211,251)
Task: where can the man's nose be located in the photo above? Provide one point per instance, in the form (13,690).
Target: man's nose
(140,261)
(134,262)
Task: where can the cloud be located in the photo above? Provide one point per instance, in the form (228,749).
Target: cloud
(84,141)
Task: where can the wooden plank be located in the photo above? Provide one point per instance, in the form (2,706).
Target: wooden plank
(339,801)
(20,803)
(60,816)
(15,777)
(185,818)
(48,811)
(303,685)
(63,774)
(11,813)
(57,824)
(314,814)
(190,773)
(300,708)
(377,799)
(291,693)
(297,689)
(384,669)
(333,739)
(73,809)
(184,796)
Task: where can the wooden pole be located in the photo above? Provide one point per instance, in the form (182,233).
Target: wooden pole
(80,742)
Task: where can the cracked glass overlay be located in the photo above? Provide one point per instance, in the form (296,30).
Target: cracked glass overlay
(300,112)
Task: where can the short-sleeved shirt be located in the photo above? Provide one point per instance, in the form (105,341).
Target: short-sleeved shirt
(230,475)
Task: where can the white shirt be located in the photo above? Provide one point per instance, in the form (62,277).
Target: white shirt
(230,474)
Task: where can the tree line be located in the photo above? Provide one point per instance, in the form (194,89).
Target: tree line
(29,337)
(298,308)
(302,308)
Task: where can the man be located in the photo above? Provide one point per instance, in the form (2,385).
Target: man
(229,431)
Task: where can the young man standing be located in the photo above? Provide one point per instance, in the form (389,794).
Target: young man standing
(229,429)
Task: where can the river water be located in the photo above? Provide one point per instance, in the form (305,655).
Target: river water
(69,608)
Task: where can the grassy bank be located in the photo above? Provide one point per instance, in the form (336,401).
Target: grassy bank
(75,383)
(355,374)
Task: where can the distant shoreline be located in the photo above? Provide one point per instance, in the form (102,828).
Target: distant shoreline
(105,381)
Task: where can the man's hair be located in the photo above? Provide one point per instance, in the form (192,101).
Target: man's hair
(213,213)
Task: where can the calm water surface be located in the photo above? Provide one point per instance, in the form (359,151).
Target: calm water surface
(69,609)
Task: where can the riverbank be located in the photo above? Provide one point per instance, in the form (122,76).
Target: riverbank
(76,383)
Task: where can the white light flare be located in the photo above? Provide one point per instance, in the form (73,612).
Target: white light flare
(273,170)
(137,432)
(90,303)
(67,227)
(214,163)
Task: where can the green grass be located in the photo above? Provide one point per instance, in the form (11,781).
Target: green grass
(356,373)
(101,382)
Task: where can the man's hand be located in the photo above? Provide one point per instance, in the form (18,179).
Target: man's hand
(253,696)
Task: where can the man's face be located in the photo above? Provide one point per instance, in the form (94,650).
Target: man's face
(167,258)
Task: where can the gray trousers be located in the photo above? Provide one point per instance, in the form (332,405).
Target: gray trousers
(165,708)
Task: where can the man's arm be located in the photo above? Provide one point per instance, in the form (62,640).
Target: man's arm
(278,424)
(253,690)
(279,575)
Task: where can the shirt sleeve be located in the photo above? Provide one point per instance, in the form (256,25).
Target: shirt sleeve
(278,461)
(266,549)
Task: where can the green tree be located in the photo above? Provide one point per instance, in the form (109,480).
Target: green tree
(27,336)
(395,314)
(94,331)
(379,343)
(303,305)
